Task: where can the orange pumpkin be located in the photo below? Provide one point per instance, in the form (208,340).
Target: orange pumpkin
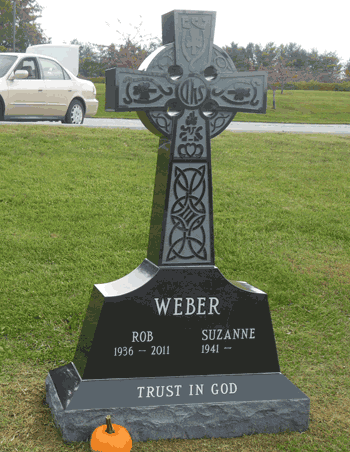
(111,439)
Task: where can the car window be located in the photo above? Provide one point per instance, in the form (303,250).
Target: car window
(66,76)
(29,65)
(51,70)
(6,61)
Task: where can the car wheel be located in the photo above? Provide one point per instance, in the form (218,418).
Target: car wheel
(1,112)
(75,113)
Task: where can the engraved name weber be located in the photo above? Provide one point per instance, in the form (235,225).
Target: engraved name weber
(186,306)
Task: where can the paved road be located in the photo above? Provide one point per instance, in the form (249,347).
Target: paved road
(233,127)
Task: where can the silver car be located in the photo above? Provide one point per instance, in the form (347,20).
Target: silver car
(39,88)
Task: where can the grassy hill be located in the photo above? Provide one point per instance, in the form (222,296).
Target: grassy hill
(75,205)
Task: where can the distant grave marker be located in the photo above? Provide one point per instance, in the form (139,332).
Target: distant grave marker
(174,340)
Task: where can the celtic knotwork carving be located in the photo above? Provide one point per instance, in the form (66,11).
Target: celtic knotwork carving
(188,214)
(222,61)
(163,60)
(218,122)
(162,122)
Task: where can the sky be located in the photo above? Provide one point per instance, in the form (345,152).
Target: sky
(307,23)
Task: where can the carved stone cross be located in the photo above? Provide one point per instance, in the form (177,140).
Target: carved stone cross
(186,92)
(174,339)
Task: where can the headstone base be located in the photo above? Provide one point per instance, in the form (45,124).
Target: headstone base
(230,405)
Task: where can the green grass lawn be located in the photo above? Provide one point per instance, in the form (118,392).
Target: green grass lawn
(311,107)
(75,207)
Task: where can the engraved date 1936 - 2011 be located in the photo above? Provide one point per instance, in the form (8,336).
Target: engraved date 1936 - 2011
(155,350)
(143,336)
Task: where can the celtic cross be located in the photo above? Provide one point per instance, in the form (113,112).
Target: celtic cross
(186,92)
(174,338)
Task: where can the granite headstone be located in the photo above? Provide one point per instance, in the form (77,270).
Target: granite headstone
(173,349)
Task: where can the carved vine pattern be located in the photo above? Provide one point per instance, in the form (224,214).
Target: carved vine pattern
(239,94)
(142,89)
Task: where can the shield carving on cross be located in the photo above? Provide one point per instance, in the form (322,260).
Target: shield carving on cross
(193,38)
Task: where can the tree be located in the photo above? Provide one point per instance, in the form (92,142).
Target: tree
(302,65)
(237,55)
(293,64)
(94,59)
(27,31)
(153,45)
(89,59)
(324,68)
(129,54)
(280,74)
(347,71)
(5,24)
(266,56)
(294,55)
